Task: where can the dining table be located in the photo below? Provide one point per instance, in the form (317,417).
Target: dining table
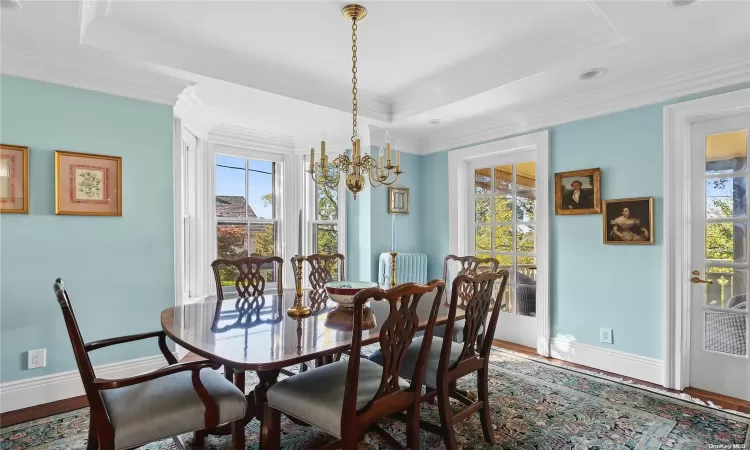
(256,334)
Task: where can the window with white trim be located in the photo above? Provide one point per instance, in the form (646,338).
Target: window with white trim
(326,215)
(503,208)
(247,211)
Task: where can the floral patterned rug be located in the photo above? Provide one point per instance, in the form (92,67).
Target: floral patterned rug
(534,406)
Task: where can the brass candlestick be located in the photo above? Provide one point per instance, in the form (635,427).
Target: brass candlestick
(393,268)
(298,309)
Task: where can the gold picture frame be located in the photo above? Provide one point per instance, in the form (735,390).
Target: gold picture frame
(588,200)
(11,156)
(628,228)
(398,200)
(87,184)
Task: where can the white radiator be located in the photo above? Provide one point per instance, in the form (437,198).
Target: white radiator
(410,267)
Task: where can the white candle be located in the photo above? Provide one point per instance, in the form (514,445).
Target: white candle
(393,232)
(299,236)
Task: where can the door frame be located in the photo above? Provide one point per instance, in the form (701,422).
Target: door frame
(676,228)
(458,185)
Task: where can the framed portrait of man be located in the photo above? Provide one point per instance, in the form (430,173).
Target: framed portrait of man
(578,192)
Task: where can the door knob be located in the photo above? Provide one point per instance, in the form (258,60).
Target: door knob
(696,279)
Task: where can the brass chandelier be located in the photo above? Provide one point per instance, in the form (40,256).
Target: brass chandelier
(380,171)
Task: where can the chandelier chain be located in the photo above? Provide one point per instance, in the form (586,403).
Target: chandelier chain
(354,80)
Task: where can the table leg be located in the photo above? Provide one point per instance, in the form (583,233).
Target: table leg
(266,379)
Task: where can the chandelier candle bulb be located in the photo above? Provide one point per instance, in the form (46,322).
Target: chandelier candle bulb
(312,160)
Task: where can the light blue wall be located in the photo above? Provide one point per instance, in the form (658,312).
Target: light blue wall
(613,286)
(119,270)
(407,225)
(592,285)
(433,211)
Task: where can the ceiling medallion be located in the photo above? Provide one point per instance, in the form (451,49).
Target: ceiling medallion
(379,170)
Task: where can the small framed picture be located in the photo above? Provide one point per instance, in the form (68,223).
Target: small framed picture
(398,200)
(578,192)
(14,179)
(88,184)
(629,220)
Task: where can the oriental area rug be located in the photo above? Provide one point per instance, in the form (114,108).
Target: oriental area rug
(534,405)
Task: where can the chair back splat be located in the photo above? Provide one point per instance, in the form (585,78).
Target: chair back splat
(396,334)
(248,278)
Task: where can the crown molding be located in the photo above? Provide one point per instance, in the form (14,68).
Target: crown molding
(193,114)
(640,92)
(248,138)
(101,74)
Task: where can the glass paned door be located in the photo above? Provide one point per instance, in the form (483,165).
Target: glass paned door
(719,269)
(503,202)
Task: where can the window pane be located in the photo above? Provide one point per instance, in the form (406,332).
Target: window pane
(525,238)
(482,238)
(263,239)
(526,300)
(729,289)
(326,238)
(506,263)
(326,202)
(231,242)
(726,332)
(526,176)
(525,204)
(504,207)
(726,152)
(230,186)
(726,197)
(482,210)
(482,181)
(506,299)
(503,178)
(503,239)
(726,242)
(260,177)
(526,270)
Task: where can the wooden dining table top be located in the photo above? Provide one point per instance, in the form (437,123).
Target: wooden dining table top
(257,334)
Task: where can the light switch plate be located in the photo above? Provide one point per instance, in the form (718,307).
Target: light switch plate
(605,335)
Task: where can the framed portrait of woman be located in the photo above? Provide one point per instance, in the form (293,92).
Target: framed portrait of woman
(578,192)
(628,220)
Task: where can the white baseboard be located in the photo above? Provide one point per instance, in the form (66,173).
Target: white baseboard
(621,363)
(59,386)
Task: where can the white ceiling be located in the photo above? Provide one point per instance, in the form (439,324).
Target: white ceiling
(284,67)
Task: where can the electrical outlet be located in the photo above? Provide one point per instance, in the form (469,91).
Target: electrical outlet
(37,358)
(605,335)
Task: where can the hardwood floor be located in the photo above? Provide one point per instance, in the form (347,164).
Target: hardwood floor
(49,409)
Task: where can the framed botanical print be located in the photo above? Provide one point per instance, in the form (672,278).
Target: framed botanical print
(88,184)
(578,192)
(628,220)
(398,200)
(14,179)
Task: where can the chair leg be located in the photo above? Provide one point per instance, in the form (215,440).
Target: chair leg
(199,438)
(446,416)
(93,443)
(485,415)
(412,426)
(238,435)
(270,431)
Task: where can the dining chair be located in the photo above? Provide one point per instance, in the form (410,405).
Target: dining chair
(347,398)
(322,269)
(448,361)
(248,278)
(176,399)
(470,265)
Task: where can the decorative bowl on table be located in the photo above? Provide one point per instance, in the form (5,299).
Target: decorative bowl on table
(343,292)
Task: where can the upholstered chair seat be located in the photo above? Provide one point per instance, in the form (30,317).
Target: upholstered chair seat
(317,396)
(168,406)
(433,359)
(458,331)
